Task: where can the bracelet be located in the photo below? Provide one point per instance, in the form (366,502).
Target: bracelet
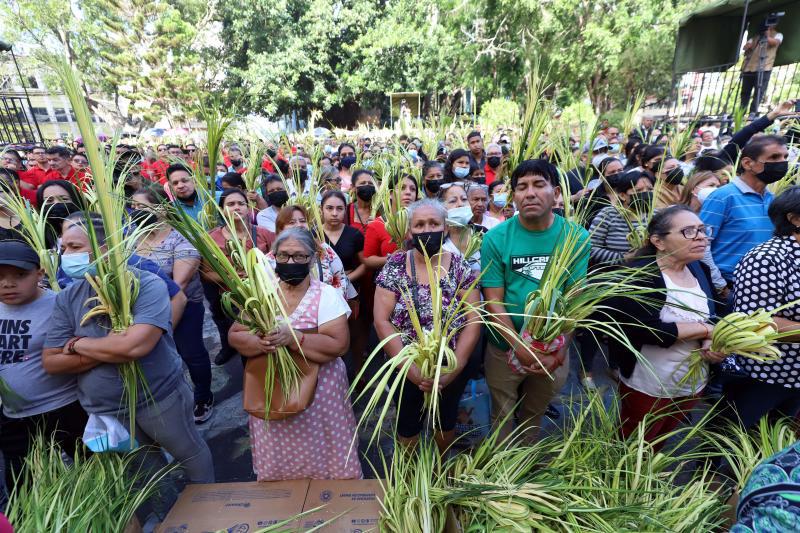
(708,331)
(70,346)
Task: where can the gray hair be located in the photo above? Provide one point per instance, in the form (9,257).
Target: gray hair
(303,236)
(438,206)
(477,187)
(493,145)
(82,218)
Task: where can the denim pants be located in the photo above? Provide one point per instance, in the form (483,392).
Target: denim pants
(189,342)
(222,320)
(169,423)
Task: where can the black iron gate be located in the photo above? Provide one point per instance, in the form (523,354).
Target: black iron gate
(716,91)
(17,123)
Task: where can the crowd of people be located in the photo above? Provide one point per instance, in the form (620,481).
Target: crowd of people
(716,237)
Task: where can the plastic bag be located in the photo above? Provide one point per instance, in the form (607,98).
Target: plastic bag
(105,433)
(474,420)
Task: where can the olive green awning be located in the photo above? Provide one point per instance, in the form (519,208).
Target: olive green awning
(709,37)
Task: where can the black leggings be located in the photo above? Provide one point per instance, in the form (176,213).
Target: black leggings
(410,416)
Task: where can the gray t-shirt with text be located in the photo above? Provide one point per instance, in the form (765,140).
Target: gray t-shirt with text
(22,336)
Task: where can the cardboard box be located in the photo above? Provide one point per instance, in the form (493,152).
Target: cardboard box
(235,507)
(356,500)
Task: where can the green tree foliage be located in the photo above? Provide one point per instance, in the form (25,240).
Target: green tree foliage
(499,112)
(141,60)
(317,53)
(276,56)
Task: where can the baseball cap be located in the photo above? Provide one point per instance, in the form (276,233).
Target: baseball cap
(18,254)
(598,144)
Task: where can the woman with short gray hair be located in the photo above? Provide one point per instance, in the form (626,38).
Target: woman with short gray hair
(406,273)
(320,442)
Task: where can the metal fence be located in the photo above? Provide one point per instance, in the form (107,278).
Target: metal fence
(16,123)
(716,91)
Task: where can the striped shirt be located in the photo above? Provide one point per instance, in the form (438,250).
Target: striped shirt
(609,236)
(738,217)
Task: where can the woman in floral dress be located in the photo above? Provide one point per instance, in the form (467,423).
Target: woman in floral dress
(405,272)
(326,266)
(320,442)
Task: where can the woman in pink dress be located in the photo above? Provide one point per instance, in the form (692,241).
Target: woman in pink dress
(320,442)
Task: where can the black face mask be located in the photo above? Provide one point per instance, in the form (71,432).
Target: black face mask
(60,211)
(493,161)
(236,162)
(191,198)
(143,217)
(272,153)
(558,211)
(434,185)
(292,273)
(479,180)
(674,176)
(302,175)
(278,198)
(365,192)
(641,201)
(429,242)
(773,171)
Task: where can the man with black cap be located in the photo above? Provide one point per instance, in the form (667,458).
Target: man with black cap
(33,400)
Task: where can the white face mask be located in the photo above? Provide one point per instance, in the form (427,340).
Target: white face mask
(703,193)
(459,216)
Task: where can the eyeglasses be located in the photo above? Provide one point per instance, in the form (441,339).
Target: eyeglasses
(692,231)
(283,257)
(445,186)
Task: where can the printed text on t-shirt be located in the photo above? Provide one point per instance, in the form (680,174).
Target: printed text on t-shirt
(529,266)
(14,340)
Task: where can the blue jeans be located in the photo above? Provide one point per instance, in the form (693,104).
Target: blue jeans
(189,341)
(169,423)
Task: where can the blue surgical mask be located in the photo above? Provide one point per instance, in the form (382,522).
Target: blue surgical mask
(461,172)
(77,265)
(459,216)
(499,199)
(309,170)
(220,174)
(614,148)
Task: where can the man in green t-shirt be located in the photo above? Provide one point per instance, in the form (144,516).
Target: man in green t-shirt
(513,257)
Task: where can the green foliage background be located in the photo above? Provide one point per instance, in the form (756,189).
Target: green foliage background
(277,56)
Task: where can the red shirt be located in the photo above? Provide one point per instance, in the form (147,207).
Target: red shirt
(28,195)
(264,238)
(377,240)
(158,171)
(490,174)
(354,220)
(35,176)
